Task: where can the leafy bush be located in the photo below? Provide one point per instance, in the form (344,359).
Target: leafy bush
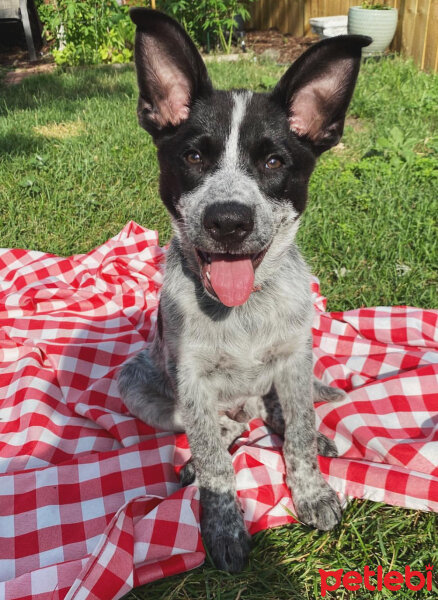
(373,5)
(88,31)
(95,31)
(209,22)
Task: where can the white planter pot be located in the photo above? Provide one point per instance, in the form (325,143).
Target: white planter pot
(380,25)
(326,27)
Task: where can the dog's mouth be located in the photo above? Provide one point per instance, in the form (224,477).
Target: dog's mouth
(229,277)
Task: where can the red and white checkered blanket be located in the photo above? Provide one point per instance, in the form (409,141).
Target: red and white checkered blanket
(90,503)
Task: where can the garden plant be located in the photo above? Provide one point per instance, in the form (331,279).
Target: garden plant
(100,31)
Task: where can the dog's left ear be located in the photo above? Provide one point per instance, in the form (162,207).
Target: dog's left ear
(316,90)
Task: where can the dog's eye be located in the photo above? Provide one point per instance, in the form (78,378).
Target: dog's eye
(273,162)
(193,157)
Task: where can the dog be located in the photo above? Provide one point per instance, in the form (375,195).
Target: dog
(233,338)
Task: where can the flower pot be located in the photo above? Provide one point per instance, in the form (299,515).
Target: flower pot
(380,25)
(326,27)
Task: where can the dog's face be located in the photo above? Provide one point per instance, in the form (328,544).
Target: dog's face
(234,166)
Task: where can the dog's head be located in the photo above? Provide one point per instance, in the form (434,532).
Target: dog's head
(235,165)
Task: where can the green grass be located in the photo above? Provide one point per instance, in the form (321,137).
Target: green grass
(75,167)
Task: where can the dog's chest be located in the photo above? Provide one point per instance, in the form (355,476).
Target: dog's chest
(238,359)
(238,352)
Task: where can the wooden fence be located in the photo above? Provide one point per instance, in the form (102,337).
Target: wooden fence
(416,35)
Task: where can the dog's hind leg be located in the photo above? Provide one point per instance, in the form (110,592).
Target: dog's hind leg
(187,475)
(147,395)
(325,393)
(325,446)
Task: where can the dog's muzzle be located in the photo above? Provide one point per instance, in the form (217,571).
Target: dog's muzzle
(228,275)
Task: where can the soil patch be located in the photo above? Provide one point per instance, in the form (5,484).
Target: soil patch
(16,76)
(283,48)
(17,59)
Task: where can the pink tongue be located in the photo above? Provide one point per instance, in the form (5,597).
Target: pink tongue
(232,278)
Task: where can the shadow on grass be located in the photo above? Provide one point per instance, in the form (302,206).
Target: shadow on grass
(66,88)
(17,144)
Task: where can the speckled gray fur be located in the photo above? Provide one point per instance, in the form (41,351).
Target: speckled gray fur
(210,368)
(209,361)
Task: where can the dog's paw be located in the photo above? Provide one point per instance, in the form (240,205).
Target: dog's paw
(229,550)
(223,531)
(326,446)
(325,393)
(187,475)
(231,430)
(318,506)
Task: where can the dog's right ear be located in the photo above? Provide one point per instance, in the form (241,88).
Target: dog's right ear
(171,74)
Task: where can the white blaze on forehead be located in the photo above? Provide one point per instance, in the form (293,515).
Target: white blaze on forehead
(231,154)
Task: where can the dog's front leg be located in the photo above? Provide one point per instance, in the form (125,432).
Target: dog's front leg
(222,525)
(314,500)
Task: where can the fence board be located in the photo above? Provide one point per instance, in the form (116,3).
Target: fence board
(420,27)
(397,41)
(430,59)
(408,30)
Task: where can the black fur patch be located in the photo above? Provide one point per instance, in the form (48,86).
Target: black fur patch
(264,131)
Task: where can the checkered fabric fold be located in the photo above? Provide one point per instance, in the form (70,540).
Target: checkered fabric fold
(90,503)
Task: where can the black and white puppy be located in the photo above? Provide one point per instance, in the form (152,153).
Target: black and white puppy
(234,323)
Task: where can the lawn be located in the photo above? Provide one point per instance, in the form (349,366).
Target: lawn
(75,168)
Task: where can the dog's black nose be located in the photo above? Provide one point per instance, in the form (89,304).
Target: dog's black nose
(229,222)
